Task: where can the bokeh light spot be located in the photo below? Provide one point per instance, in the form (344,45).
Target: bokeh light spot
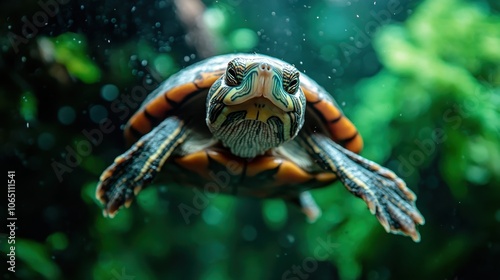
(212,215)
(109,92)
(243,39)
(46,141)
(249,233)
(66,115)
(98,113)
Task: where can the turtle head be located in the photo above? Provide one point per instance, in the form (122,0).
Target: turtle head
(256,105)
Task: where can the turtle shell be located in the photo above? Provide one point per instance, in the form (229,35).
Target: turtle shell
(172,97)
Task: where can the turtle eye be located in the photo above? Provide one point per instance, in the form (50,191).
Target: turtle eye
(290,79)
(232,77)
(292,86)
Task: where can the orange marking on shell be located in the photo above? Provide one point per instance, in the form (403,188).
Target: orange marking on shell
(177,94)
(207,79)
(234,165)
(140,123)
(342,129)
(328,110)
(290,173)
(261,164)
(355,145)
(159,107)
(196,163)
(339,130)
(310,96)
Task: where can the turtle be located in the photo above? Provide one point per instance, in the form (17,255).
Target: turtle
(252,125)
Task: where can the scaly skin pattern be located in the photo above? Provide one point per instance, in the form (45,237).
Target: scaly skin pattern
(270,132)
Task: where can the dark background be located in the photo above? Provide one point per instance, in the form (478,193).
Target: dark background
(420,79)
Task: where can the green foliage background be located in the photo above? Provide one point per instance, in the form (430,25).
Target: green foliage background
(421,83)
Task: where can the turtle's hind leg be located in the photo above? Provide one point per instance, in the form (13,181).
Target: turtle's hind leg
(385,194)
(307,205)
(138,166)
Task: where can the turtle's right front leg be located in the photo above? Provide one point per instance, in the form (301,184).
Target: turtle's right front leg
(138,166)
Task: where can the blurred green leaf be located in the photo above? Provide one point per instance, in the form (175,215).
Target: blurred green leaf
(37,257)
(28,106)
(70,49)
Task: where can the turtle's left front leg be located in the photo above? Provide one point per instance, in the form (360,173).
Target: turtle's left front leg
(385,194)
(138,166)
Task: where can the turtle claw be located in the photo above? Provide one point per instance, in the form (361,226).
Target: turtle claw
(121,182)
(116,187)
(392,205)
(385,194)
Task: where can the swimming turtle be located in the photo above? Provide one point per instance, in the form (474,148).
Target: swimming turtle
(250,124)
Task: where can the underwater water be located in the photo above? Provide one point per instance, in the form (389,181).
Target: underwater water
(420,80)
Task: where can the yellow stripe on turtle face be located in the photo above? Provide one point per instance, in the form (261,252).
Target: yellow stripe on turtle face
(260,80)
(255,106)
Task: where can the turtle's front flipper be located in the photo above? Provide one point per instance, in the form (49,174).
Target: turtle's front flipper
(385,194)
(138,166)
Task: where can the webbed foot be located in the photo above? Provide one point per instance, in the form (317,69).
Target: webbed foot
(386,195)
(138,166)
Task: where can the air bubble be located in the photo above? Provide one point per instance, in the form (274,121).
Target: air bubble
(109,92)
(98,113)
(66,115)
(46,141)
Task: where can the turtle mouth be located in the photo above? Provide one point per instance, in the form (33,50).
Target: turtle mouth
(253,127)
(258,109)
(248,138)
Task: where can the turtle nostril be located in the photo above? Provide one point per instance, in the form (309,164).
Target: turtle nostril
(265,67)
